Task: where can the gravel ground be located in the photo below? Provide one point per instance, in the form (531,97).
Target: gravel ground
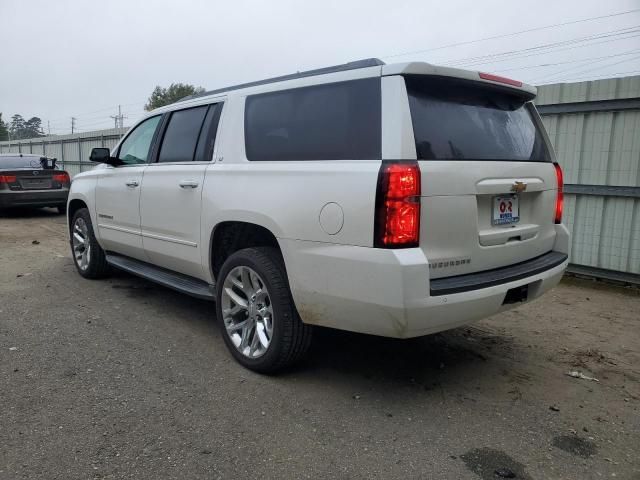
(120,378)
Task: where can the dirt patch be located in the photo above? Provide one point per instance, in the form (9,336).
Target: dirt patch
(490,464)
(575,445)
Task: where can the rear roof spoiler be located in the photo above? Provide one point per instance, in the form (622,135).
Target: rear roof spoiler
(422,68)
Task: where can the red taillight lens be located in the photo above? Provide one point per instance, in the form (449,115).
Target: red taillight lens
(560,195)
(61,177)
(499,79)
(398,206)
(8,179)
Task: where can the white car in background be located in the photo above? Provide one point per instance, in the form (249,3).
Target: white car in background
(395,200)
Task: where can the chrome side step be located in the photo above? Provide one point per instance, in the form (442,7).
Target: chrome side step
(176,281)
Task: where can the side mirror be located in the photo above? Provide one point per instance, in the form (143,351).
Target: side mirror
(103,155)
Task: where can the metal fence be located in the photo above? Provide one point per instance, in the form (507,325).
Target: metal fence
(595,130)
(72,151)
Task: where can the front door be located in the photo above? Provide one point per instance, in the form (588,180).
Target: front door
(170,204)
(118,193)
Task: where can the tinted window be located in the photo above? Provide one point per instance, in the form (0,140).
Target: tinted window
(20,162)
(181,135)
(461,121)
(338,121)
(204,150)
(135,148)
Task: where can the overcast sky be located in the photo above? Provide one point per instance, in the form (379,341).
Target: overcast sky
(82,58)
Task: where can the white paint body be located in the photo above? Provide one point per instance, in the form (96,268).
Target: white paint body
(322,214)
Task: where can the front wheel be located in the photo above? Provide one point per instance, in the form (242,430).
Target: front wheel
(256,313)
(88,256)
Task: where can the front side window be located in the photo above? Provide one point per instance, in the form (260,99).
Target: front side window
(136,147)
(457,120)
(336,121)
(181,136)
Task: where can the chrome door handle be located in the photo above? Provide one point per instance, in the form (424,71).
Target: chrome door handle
(132,183)
(188,184)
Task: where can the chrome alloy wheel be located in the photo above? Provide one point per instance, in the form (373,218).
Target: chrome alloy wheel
(81,244)
(247,311)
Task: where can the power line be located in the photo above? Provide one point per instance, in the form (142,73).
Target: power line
(591,69)
(591,78)
(555,50)
(505,35)
(522,67)
(543,48)
(100,110)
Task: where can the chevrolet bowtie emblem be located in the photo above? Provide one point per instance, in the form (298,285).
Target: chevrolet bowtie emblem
(519,187)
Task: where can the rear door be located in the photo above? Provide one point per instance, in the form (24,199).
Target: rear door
(488,181)
(170,204)
(118,192)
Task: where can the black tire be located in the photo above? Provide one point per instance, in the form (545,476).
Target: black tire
(97,265)
(62,210)
(291,338)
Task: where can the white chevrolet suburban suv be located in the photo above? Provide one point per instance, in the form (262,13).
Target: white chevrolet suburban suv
(395,200)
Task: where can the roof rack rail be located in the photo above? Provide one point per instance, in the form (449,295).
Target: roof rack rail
(367,62)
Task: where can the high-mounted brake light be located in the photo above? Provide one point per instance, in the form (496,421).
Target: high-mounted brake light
(61,177)
(397,222)
(499,79)
(8,179)
(560,194)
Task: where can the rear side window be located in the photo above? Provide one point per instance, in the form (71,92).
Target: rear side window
(181,136)
(336,121)
(457,120)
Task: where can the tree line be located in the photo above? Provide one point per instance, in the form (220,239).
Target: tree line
(19,128)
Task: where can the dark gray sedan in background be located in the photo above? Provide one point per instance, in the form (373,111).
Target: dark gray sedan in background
(28,180)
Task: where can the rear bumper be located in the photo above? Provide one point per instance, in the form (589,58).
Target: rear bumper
(388,292)
(33,198)
(497,276)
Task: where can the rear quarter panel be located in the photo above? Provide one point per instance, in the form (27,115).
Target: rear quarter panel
(288,197)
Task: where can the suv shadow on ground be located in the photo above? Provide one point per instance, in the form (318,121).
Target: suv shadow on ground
(424,363)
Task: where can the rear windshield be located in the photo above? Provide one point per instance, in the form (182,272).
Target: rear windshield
(19,162)
(462,121)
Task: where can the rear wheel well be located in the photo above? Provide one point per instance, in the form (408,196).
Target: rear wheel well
(229,237)
(74,206)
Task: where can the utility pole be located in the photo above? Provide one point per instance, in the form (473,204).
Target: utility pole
(121,116)
(73,124)
(48,127)
(118,120)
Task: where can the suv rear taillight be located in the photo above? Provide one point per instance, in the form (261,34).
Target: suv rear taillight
(397,216)
(560,194)
(62,177)
(8,179)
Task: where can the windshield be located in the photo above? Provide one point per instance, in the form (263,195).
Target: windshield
(456,120)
